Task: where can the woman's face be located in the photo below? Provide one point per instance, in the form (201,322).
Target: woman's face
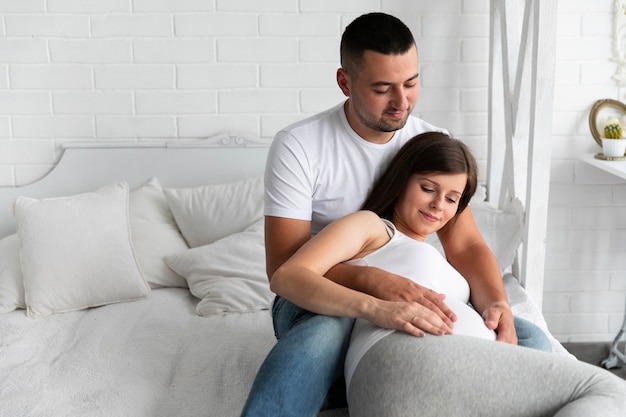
(427,203)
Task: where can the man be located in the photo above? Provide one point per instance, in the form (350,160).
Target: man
(322,168)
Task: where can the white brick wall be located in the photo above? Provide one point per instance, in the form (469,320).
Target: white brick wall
(586,245)
(160,69)
(139,70)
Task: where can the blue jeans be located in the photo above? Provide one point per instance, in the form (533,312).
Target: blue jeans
(307,360)
(299,370)
(531,336)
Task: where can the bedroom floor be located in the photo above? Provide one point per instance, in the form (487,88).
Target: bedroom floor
(595,353)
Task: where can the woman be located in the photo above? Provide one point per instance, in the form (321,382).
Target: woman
(465,373)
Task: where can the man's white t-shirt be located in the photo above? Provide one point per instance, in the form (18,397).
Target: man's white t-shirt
(319,169)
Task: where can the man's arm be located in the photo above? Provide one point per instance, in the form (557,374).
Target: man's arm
(283,237)
(468,253)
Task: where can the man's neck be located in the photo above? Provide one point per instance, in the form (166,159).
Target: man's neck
(367,134)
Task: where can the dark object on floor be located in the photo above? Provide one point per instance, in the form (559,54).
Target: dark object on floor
(594,353)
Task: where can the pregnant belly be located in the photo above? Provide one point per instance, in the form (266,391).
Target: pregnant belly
(469,322)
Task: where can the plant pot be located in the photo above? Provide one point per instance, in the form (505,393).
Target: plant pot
(613,147)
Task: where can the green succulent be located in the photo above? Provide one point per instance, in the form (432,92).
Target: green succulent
(613,129)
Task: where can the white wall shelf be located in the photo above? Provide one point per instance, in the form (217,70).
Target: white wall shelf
(617,168)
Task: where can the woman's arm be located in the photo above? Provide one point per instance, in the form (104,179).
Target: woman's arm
(392,287)
(301,278)
(284,236)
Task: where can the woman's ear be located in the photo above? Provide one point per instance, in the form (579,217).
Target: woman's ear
(343,81)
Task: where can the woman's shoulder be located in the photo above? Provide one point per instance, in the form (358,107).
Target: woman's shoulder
(369,221)
(363,223)
(367,227)
(366,216)
(358,222)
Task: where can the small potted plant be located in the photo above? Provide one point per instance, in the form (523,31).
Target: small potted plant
(613,142)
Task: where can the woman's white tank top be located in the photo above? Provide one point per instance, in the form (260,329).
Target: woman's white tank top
(422,263)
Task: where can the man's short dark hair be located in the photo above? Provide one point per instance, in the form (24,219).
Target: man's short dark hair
(378,32)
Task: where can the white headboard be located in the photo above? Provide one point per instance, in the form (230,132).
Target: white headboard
(85,167)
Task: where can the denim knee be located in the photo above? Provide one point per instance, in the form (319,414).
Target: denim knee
(530,335)
(320,332)
(286,315)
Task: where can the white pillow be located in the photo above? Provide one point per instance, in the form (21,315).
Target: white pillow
(76,252)
(228,275)
(155,234)
(502,230)
(208,213)
(11,284)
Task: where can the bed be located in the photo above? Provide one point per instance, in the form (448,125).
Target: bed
(132,277)
(142,272)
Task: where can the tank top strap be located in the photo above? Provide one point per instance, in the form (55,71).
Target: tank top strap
(391,229)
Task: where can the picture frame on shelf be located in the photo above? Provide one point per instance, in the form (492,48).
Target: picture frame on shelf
(600,111)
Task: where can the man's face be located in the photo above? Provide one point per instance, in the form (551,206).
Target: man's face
(383,93)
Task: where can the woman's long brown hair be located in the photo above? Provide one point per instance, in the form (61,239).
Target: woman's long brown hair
(430,152)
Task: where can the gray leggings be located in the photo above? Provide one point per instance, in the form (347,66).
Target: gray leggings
(464,376)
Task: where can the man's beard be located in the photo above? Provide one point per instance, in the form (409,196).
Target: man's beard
(380,124)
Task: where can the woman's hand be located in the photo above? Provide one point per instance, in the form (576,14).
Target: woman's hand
(391,287)
(410,317)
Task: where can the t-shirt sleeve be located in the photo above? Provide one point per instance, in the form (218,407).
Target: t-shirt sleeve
(288,184)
